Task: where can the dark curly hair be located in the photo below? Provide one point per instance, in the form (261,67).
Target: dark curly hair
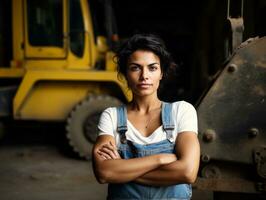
(149,42)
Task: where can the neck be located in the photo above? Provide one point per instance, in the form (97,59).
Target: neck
(145,104)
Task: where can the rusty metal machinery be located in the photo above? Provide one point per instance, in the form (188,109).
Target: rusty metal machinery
(232,124)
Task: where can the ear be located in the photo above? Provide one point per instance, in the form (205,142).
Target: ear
(161,76)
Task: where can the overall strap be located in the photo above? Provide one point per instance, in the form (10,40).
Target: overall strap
(122,122)
(167,120)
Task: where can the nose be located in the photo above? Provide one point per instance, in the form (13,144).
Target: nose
(144,74)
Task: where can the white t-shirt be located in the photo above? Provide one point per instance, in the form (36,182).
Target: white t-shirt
(185,119)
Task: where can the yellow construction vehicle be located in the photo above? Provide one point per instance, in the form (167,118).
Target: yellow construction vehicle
(56,64)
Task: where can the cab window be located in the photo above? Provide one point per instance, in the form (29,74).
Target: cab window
(45,22)
(77,32)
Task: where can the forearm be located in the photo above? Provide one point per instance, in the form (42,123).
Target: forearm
(110,168)
(183,170)
(121,170)
(174,173)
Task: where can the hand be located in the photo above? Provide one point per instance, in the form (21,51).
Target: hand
(108,151)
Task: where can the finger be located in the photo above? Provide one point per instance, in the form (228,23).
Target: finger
(113,153)
(109,152)
(113,145)
(111,148)
(104,155)
(118,155)
(114,149)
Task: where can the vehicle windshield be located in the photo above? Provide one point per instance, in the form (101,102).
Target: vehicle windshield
(45,22)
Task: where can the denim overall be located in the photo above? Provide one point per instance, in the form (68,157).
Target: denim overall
(129,149)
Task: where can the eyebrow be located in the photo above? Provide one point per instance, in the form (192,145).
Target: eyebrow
(140,65)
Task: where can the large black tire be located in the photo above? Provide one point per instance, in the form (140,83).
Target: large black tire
(82,123)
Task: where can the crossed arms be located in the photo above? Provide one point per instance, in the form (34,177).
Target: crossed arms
(156,170)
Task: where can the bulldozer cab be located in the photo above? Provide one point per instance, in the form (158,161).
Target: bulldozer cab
(57,34)
(56,64)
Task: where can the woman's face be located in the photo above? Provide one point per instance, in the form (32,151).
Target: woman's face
(143,73)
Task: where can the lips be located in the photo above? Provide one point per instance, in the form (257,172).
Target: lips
(144,85)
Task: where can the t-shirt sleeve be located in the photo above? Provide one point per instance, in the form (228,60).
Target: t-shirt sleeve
(106,123)
(188,120)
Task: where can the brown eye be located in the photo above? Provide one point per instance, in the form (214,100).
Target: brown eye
(134,68)
(153,68)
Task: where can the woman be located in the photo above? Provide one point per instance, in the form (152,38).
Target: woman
(147,149)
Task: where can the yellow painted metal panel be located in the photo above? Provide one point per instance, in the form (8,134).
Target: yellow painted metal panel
(53,100)
(27,86)
(48,64)
(11,73)
(110,64)
(17,27)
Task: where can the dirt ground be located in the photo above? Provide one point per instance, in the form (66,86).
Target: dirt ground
(41,172)
(34,165)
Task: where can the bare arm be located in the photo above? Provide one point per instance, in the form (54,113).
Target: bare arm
(184,170)
(113,169)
